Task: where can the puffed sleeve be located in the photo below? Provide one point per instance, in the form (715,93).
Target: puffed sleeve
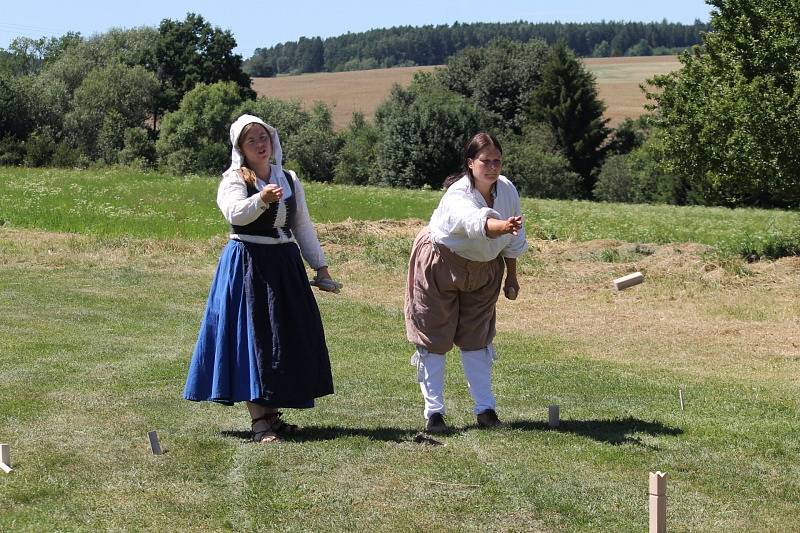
(238,208)
(519,242)
(463,216)
(303,228)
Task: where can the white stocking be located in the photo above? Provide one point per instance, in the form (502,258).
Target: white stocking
(478,371)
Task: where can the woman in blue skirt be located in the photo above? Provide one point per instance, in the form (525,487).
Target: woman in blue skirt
(261,340)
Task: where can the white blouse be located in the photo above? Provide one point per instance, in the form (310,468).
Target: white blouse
(460,221)
(240,210)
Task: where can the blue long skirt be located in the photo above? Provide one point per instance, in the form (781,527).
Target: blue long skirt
(261,338)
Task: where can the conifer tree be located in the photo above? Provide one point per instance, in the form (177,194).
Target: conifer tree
(566,100)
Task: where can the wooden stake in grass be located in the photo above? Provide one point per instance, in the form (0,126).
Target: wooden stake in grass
(553,416)
(658,502)
(680,396)
(5,458)
(154,444)
(628,281)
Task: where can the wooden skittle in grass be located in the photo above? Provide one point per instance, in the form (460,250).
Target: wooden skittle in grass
(658,502)
(628,281)
(553,419)
(5,458)
(155,445)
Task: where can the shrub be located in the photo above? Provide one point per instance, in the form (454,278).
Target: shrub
(629,135)
(422,133)
(138,150)
(39,148)
(110,138)
(356,161)
(315,147)
(194,139)
(615,183)
(67,155)
(640,177)
(536,167)
(287,117)
(12,151)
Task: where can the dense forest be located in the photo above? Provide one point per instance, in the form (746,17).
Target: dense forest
(721,130)
(433,45)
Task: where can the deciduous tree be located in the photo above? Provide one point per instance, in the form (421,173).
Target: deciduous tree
(731,115)
(191,51)
(422,133)
(498,78)
(194,138)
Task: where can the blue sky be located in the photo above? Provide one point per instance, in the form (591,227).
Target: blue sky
(263,24)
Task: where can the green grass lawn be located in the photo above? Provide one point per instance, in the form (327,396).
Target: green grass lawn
(100,314)
(113,203)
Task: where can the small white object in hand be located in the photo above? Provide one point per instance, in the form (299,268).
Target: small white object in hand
(326,284)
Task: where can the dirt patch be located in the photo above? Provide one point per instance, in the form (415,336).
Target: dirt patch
(375,228)
(48,250)
(694,312)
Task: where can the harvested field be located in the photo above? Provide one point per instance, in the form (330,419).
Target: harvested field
(618,80)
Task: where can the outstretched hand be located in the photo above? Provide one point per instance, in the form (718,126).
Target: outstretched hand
(496,227)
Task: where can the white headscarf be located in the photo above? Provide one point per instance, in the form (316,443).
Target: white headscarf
(237,158)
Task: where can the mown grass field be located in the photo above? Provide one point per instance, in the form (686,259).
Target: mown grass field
(104,275)
(618,80)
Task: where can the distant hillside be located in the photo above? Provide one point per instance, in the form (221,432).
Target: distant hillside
(618,82)
(406,46)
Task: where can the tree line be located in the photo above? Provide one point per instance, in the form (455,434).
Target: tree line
(720,131)
(433,45)
(73,101)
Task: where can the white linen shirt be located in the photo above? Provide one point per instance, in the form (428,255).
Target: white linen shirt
(240,210)
(459,222)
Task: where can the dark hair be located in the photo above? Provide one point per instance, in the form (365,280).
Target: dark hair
(478,142)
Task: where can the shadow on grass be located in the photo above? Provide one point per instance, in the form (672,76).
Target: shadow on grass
(614,432)
(321,433)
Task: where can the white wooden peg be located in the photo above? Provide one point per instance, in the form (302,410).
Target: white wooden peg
(553,416)
(154,444)
(628,281)
(680,396)
(5,458)
(658,502)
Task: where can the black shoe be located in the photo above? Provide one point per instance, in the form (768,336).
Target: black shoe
(488,419)
(436,424)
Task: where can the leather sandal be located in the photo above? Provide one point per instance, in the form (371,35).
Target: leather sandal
(262,430)
(279,426)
